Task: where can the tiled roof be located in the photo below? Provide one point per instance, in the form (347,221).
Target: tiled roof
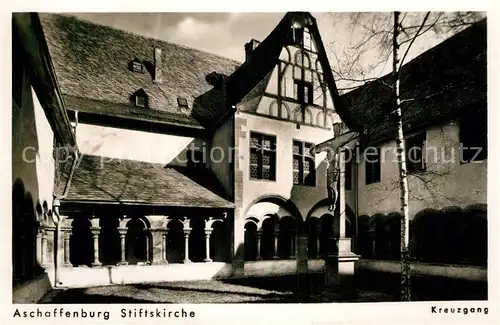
(100,107)
(92,62)
(109,180)
(443,80)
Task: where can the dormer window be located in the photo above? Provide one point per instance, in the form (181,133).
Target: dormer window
(183,104)
(136,66)
(140,98)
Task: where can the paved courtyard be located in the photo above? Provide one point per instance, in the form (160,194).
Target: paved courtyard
(211,291)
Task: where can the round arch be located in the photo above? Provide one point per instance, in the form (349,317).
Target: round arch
(277,199)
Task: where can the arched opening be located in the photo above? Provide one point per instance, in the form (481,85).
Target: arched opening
(81,242)
(286,238)
(312,238)
(476,237)
(380,240)
(24,227)
(364,240)
(426,235)
(137,242)
(109,240)
(392,230)
(250,241)
(327,240)
(175,241)
(219,242)
(197,250)
(267,238)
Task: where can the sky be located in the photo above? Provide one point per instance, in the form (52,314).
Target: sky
(226,33)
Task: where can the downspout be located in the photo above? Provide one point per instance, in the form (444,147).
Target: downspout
(57,218)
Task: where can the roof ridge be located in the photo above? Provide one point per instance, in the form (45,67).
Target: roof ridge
(69,15)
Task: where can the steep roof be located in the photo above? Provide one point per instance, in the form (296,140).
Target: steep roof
(444,81)
(29,48)
(92,64)
(107,180)
(248,82)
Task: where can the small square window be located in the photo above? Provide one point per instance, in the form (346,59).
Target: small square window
(140,101)
(182,102)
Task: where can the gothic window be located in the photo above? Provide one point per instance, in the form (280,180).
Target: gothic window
(304,169)
(262,156)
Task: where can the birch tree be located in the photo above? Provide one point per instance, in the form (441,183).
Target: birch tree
(375,39)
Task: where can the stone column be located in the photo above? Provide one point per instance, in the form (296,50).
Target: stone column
(259,235)
(275,248)
(164,259)
(39,257)
(208,232)
(43,249)
(95,234)
(292,246)
(341,201)
(123,233)
(67,234)
(147,248)
(187,231)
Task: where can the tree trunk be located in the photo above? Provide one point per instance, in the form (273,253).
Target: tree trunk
(403,179)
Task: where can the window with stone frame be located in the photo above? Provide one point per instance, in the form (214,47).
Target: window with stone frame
(372,165)
(304,169)
(415,148)
(473,133)
(262,156)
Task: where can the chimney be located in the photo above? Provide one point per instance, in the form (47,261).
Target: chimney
(250,47)
(158,77)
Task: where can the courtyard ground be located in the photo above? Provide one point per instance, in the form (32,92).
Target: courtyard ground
(211,291)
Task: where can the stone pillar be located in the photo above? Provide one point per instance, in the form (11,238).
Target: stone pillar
(123,233)
(158,244)
(292,246)
(208,232)
(95,234)
(164,259)
(39,257)
(148,260)
(341,201)
(67,234)
(340,261)
(275,247)
(43,249)
(187,231)
(259,235)
(236,223)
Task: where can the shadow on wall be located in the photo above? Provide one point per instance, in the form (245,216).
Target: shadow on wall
(451,235)
(24,233)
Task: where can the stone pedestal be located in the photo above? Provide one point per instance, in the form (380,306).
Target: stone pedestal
(339,268)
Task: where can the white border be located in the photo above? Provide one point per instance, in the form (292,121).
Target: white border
(376,313)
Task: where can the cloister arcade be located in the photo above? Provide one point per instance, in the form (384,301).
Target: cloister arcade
(137,240)
(271,229)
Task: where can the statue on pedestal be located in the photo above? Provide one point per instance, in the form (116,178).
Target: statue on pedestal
(333,147)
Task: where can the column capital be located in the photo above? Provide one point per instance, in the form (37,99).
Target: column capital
(208,232)
(122,231)
(187,231)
